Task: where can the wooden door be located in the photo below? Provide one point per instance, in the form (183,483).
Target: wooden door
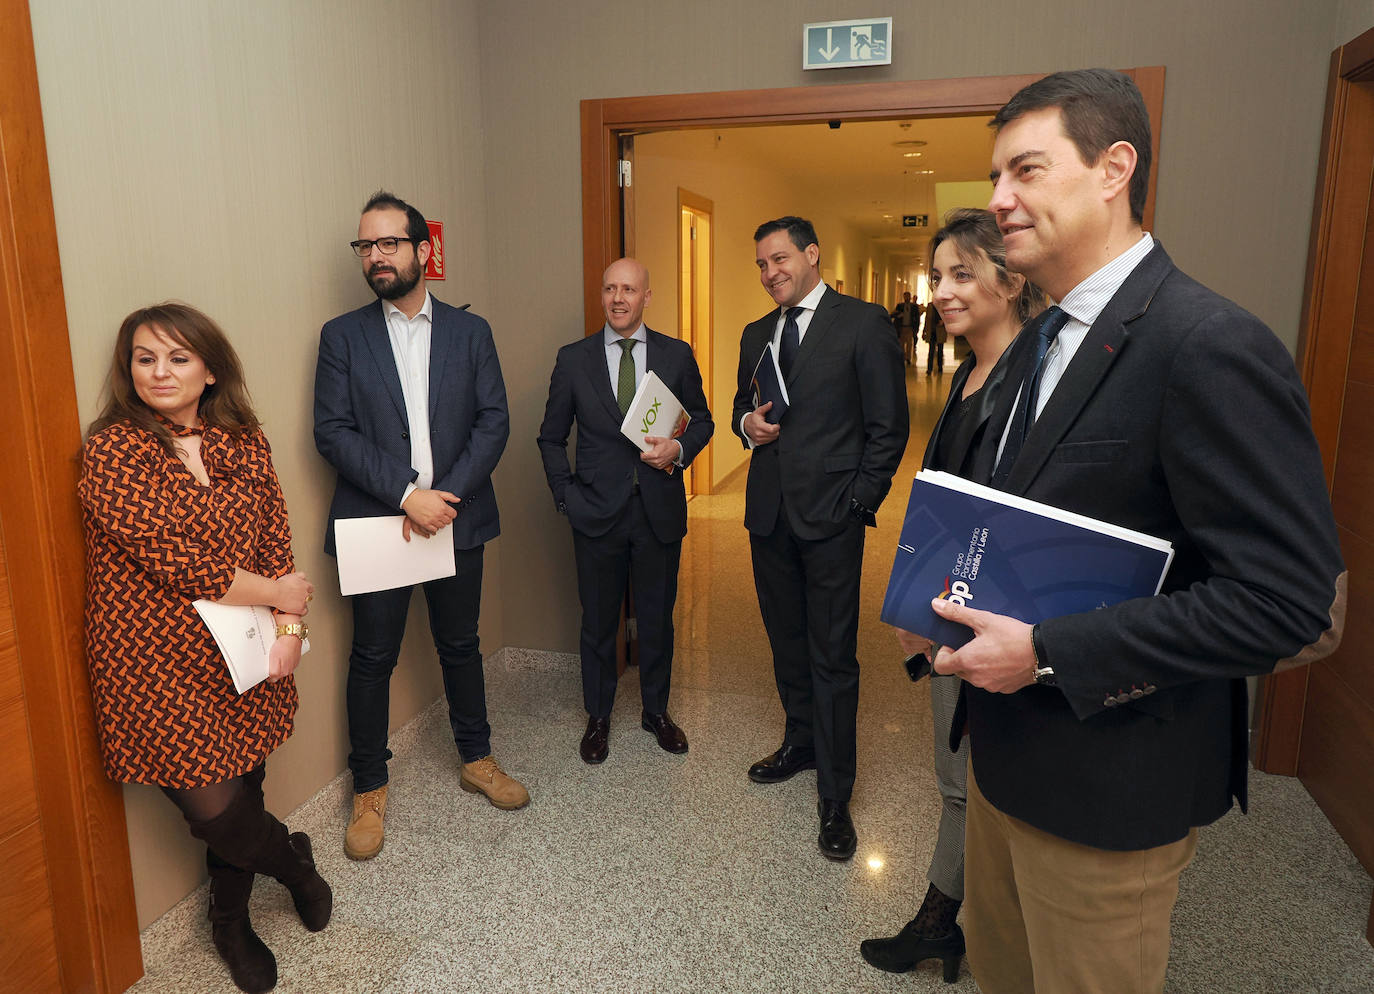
(1318,722)
(28,948)
(66,895)
(695,304)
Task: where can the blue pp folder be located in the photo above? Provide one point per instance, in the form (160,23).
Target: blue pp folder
(1002,553)
(768,385)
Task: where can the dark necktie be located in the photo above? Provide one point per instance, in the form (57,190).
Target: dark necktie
(625,383)
(1023,416)
(791,341)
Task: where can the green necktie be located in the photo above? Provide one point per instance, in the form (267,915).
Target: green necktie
(625,385)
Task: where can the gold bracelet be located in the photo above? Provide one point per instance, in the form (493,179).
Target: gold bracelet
(296,628)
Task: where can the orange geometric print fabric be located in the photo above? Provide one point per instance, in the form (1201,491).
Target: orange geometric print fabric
(156,540)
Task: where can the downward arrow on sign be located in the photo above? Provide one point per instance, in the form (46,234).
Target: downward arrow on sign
(830,51)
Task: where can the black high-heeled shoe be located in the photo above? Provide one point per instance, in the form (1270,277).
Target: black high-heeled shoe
(904,950)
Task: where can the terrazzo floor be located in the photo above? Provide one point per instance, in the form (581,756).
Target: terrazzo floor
(677,874)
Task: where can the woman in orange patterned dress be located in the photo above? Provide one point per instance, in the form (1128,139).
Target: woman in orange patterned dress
(181,503)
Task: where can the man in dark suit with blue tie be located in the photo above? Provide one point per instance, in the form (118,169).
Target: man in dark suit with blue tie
(1101,741)
(816,480)
(410,409)
(627,508)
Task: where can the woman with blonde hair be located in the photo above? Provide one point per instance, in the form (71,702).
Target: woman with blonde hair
(979,300)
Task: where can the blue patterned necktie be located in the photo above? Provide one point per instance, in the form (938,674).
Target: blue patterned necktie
(1024,414)
(791,341)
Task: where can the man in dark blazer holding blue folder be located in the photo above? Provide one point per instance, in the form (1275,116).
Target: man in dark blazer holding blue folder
(410,409)
(1101,741)
(627,508)
(816,480)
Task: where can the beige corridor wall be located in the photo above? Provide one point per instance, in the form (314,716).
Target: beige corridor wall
(219,153)
(1242,118)
(1354,18)
(743,194)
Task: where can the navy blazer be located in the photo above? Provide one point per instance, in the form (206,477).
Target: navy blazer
(846,428)
(580,389)
(362,430)
(1181,416)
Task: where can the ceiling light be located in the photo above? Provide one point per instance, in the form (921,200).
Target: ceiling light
(911,155)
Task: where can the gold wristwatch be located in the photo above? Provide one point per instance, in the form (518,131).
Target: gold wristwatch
(297,628)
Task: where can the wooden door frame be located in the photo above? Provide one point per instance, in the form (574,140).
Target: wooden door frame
(1335,249)
(603,121)
(81,811)
(686,200)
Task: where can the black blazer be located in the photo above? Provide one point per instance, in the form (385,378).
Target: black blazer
(362,430)
(1181,416)
(607,461)
(970,431)
(846,429)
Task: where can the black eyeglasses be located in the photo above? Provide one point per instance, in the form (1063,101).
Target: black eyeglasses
(387,246)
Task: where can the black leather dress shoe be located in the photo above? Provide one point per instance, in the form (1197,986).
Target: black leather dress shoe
(670,737)
(782,765)
(837,839)
(908,947)
(593,748)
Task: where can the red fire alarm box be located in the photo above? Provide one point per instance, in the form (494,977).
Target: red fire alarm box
(434,269)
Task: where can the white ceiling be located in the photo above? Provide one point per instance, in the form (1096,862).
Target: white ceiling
(860,167)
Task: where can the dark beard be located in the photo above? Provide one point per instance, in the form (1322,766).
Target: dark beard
(393,286)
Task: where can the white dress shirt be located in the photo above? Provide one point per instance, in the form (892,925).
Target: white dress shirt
(410,341)
(1083,304)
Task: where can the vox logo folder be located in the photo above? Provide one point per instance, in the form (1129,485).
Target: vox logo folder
(1002,553)
(655,410)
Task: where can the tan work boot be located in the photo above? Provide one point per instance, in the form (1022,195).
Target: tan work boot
(485,777)
(364,837)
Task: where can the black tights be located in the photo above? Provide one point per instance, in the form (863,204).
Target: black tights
(199,804)
(204,803)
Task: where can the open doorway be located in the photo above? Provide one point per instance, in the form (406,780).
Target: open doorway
(695,300)
(719,639)
(613,206)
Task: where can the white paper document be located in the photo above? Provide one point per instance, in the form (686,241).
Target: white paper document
(373,556)
(244,635)
(656,411)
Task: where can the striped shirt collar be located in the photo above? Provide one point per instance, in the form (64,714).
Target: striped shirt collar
(1087,300)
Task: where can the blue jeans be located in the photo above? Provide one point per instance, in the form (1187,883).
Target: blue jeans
(379,623)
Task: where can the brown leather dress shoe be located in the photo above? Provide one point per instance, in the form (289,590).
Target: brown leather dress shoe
(670,737)
(593,747)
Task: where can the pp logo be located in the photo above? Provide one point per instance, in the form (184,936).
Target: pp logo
(958,593)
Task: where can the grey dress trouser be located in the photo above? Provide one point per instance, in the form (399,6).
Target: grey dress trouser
(951,774)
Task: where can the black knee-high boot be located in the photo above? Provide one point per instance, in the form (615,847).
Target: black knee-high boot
(250,962)
(247,836)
